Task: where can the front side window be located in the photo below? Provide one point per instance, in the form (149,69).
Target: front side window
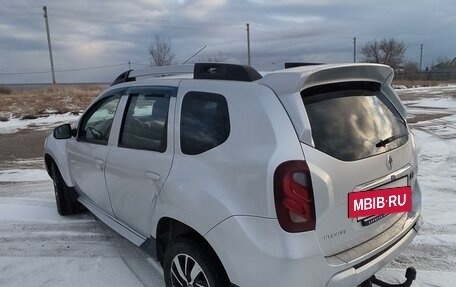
(352,121)
(205,122)
(96,124)
(145,120)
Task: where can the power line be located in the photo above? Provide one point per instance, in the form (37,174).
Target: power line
(138,20)
(5,13)
(93,68)
(66,70)
(60,12)
(19,9)
(15,5)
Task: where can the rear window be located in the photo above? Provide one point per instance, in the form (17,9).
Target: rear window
(205,122)
(352,121)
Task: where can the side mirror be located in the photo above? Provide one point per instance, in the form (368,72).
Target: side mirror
(63,132)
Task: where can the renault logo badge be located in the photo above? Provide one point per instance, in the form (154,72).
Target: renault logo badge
(389,162)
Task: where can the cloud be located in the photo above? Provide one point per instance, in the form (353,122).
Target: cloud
(98,33)
(200,10)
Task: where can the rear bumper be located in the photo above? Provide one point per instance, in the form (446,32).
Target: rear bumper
(365,269)
(256,252)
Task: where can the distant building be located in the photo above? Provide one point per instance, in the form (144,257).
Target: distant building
(443,71)
(445,67)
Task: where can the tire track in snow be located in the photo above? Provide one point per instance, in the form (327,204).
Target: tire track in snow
(48,236)
(419,255)
(430,229)
(440,128)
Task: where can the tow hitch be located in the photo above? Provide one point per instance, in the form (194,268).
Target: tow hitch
(410,274)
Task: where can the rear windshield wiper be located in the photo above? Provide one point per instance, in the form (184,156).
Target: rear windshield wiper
(386,141)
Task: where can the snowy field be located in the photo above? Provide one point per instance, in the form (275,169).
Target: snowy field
(40,248)
(14,125)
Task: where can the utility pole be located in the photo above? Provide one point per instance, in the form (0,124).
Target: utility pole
(248,43)
(49,43)
(421,57)
(354,50)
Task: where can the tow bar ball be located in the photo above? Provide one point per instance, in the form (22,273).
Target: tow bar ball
(410,275)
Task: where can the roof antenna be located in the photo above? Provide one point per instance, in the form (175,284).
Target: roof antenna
(194,54)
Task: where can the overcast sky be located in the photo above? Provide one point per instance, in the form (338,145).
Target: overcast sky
(94,33)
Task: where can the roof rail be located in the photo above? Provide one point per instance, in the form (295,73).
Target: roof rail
(159,71)
(213,71)
(299,64)
(123,78)
(163,70)
(222,71)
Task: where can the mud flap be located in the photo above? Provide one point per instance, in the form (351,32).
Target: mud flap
(410,275)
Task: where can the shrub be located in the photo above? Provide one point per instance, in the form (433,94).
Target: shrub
(5,91)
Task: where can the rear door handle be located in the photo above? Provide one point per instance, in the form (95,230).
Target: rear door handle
(152,175)
(99,163)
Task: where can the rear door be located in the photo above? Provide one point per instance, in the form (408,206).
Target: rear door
(350,123)
(138,166)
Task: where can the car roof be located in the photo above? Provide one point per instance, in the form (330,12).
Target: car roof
(288,81)
(282,82)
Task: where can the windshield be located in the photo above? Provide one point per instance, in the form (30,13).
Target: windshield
(348,120)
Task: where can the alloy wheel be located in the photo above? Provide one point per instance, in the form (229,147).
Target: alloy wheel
(186,272)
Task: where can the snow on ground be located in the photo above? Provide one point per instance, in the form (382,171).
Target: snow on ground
(433,252)
(19,175)
(430,100)
(42,123)
(40,248)
(32,169)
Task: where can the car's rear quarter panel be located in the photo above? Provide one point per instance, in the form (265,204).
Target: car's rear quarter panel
(203,190)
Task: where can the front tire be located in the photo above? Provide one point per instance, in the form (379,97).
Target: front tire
(65,198)
(188,263)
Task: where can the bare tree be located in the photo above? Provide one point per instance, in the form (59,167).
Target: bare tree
(411,67)
(215,58)
(161,51)
(386,51)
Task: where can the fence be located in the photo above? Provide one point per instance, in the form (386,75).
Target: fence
(426,75)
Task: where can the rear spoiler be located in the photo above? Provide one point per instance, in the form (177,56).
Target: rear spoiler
(289,83)
(294,80)
(289,65)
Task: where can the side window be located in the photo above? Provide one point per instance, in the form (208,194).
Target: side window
(205,122)
(96,124)
(145,120)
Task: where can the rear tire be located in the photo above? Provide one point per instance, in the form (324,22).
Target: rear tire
(189,263)
(65,197)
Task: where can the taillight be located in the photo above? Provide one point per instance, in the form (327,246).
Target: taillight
(294,200)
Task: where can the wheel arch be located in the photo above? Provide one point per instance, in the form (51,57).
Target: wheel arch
(55,152)
(48,161)
(169,229)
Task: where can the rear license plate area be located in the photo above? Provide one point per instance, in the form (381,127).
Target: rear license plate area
(372,205)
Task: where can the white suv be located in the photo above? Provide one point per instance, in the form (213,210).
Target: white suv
(230,178)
